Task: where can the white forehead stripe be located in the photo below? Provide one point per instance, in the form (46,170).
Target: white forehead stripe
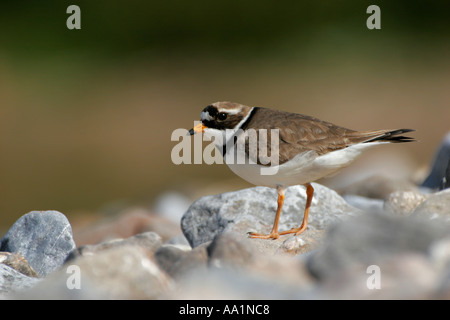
(230,111)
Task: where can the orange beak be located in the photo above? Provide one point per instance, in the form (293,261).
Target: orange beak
(197,129)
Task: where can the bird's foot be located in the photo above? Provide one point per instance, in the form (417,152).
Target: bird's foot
(296,231)
(272,235)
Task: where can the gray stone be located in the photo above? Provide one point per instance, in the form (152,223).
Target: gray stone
(403,203)
(436,206)
(253,210)
(13,281)
(306,242)
(124,272)
(440,256)
(178,240)
(149,241)
(405,275)
(364,203)
(369,240)
(168,255)
(227,249)
(238,253)
(180,264)
(377,186)
(17,262)
(229,284)
(44,238)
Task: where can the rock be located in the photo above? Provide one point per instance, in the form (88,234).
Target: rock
(13,281)
(18,263)
(125,272)
(167,255)
(178,240)
(44,238)
(306,242)
(437,205)
(238,253)
(231,250)
(149,241)
(443,293)
(364,203)
(404,275)
(371,239)
(377,187)
(440,166)
(125,224)
(253,210)
(177,264)
(403,203)
(227,284)
(409,256)
(235,269)
(440,256)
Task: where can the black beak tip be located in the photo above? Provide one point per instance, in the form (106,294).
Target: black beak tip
(191,132)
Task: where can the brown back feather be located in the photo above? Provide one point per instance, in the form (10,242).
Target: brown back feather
(300,133)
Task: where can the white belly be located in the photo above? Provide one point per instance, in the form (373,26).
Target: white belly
(303,168)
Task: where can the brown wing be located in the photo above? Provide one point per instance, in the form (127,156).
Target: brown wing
(300,133)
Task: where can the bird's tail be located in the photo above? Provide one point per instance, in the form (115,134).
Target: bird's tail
(393,136)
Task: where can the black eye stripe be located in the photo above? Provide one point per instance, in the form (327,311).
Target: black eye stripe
(211,110)
(209,123)
(229,123)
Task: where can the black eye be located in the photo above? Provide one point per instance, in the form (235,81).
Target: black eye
(222,116)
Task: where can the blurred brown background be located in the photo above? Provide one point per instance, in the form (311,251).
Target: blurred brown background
(86,115)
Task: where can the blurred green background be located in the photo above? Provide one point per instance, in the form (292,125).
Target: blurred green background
(86,115)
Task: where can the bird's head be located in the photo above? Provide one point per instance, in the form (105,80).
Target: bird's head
(220,116)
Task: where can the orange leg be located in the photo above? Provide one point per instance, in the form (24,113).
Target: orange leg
(274,233)
(309,196)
